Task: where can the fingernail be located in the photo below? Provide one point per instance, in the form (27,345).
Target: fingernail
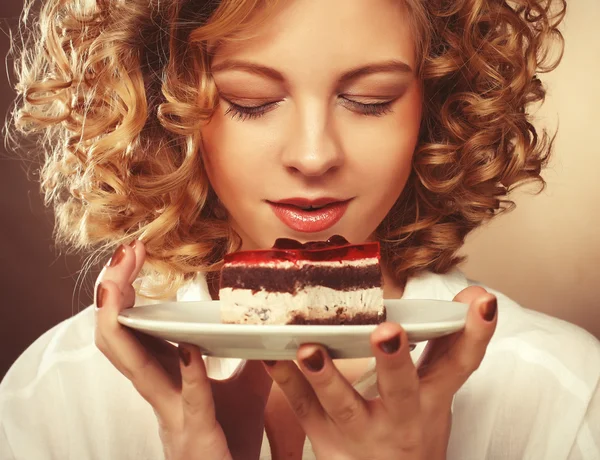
(391,346)
(133,243)
(488,310)
(184,355)
(116,257)
(314,362)
(270,363)
(100,293)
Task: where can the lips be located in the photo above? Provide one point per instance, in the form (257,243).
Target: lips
(310,216)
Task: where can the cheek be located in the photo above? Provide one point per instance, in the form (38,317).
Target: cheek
(234,157)
(383,150)
(218,160)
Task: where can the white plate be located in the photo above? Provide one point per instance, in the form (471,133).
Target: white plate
(198,323)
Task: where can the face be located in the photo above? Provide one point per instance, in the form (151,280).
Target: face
(317,122)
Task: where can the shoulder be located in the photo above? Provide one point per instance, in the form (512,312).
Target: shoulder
(533,341)
(70,346)
(63,399)
(562,349)
(69,341)
(525,334)
(532,393)
(33,392)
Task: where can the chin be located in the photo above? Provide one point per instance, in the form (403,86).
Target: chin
(265,237)
(350,236)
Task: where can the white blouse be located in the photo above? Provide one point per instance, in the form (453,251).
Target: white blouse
(535,395)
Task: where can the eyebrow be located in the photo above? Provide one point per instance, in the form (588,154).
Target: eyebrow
(378,67)
(352,74)
(234,64)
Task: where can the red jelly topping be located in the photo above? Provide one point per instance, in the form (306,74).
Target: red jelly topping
(286,249)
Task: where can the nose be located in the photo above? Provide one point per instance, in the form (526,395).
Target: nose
(313,148)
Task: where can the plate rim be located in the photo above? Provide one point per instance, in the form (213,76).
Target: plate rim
(293,329)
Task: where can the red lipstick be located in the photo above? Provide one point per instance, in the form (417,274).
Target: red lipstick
(310,216)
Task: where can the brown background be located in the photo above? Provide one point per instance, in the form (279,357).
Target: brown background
(37,283)
(545,255)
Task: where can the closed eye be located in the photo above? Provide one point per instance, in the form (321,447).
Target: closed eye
(252,112)
(367,108)
(243,112)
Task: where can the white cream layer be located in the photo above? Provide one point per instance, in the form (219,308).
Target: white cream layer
(247,307)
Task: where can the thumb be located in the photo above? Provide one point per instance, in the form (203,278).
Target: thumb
(468,295)
(438,347)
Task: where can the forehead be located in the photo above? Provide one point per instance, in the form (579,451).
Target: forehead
(308,36)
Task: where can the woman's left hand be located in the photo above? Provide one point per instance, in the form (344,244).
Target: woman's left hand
(411,418)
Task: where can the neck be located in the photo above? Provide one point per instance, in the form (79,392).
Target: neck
(393,287)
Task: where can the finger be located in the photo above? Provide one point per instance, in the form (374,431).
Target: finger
(120,267)
(436,348)
(128,293)
(301,397)
(339,399)
(164,352)
(126,353)
(445,375)
(123,268)
(397,379)
(470,294)
(139,250)
(196,393)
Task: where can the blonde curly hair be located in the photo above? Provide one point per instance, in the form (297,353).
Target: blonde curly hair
(115,92)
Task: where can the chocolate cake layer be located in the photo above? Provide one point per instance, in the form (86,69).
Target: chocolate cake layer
(341,317)
(290,280)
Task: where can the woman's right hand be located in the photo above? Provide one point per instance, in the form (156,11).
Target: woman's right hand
(174,379)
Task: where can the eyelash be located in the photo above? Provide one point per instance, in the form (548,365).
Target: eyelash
(374,110)
(239,112)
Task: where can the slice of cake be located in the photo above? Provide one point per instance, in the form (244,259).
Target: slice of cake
(329,282)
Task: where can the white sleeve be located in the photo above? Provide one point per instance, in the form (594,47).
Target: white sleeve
(587,441)
(6,452)
(63,399)
(33,419)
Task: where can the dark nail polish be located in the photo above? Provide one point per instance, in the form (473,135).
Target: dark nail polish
(391,346)
(314,362)
(184,355)
(117,257)
(100,293)
(270,363)
(489,309)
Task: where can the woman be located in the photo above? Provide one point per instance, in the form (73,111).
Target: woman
(175,130)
